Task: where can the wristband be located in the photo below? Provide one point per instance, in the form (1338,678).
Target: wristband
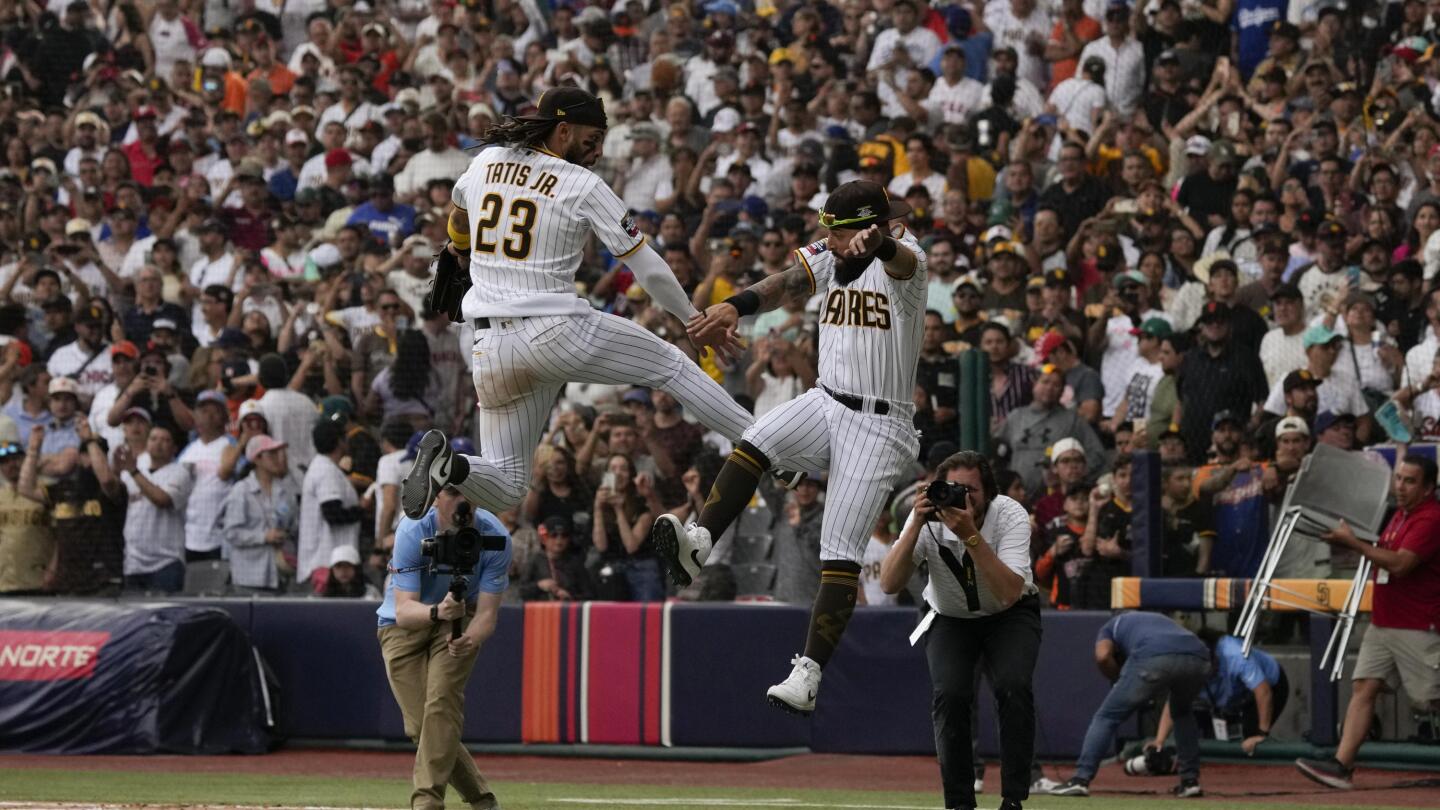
(887,250)
(434,614)
(458,238)
(745,303)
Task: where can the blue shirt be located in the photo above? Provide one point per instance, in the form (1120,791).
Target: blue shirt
(1147,635)
(284,183)
(24,422)
(1252,22)
(60,437)
(1235,675)
(1241,520)
(977,56)
(491,575)
(394,225)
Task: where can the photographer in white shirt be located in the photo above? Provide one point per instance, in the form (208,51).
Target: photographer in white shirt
(983,604)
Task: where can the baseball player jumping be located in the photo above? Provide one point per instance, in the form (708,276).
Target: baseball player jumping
(857,422)
(522,213)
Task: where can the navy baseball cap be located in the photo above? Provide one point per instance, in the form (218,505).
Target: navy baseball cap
(569,104)
(1221,417)
(859,204)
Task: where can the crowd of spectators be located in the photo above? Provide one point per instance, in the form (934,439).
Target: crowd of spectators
(1209,228)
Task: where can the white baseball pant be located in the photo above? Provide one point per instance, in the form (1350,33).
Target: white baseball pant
(520,365)
(866,454)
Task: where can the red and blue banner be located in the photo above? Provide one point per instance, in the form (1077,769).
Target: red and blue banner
(595,673)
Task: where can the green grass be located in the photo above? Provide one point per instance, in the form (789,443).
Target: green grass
(123,787)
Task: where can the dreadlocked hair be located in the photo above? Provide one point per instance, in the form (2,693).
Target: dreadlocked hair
(515,132)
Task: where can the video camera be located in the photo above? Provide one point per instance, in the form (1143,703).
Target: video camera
(456,552)
(945,493)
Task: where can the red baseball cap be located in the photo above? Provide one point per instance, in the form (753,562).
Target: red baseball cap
(1048,342)
(337,157)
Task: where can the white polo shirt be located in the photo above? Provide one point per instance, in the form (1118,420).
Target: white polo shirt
(1006,528)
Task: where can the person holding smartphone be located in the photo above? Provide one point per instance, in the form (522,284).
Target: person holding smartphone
(982,604)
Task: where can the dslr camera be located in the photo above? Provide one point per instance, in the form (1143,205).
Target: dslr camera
(945,493)
(456,552)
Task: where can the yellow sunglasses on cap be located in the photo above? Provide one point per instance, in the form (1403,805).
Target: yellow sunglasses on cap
(828,220)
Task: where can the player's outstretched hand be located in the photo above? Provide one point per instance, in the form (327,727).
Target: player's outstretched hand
(726,344)
(864,243)
(715,327)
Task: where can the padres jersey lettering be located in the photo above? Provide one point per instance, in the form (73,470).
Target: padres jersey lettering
(871,328)
(531,214)
(862,308)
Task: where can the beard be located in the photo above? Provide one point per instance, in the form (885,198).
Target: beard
(580,155)
(849,269)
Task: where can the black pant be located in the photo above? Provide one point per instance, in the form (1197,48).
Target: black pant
(197,556)
(1008,644)
(1250,711)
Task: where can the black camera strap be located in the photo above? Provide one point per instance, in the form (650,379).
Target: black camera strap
(964,573)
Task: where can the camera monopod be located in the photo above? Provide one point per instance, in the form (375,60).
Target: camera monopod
(459,582)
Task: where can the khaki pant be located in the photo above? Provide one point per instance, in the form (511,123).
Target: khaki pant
(1402,658)
(429,685)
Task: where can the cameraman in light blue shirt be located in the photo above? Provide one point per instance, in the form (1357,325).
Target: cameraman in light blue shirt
(426,667)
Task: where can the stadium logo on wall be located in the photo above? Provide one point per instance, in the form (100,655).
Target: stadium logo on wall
(628,223)
(49,655)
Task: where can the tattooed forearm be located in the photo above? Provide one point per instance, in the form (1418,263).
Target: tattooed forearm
(793,284)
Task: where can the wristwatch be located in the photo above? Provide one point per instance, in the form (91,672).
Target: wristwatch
(972,541)
(434,614)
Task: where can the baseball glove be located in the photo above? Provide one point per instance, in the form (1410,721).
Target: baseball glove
(449,282)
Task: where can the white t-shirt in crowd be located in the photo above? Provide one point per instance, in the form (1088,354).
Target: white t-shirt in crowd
(1281,354)
(388,473)
(875,552)
(1338,395)
(324,482)
(208,493)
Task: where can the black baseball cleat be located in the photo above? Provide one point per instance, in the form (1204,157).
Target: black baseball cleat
(429,473)
(789,479)
(1328,772)
(1187,789)
(1074,786)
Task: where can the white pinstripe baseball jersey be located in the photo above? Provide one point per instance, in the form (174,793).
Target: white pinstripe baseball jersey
(871,328)
(530,214)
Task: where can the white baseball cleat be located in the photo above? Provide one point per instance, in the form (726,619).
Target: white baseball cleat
(429,474)
(796,694)
(1043,785)
(683,549)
